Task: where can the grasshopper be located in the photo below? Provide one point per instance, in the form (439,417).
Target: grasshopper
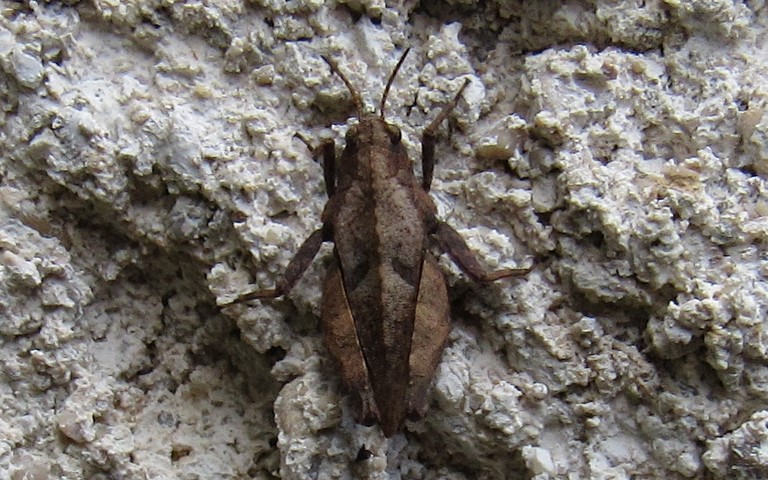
(385,311)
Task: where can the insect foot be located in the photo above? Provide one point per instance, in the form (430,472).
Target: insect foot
(385,311)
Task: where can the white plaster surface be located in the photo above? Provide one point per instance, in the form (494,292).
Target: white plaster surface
(149,169)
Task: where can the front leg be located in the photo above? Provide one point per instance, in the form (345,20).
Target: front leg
(429,137)
(292,274)
(326,150)
(460,252)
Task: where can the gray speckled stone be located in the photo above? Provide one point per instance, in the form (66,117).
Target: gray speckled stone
(150,169)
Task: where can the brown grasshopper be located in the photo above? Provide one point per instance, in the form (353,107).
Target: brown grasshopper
(385,311)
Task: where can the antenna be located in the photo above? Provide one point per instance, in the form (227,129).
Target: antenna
(391,79)
(355,95)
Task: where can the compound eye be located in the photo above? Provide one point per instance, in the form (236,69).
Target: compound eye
(394,133)
(351,136)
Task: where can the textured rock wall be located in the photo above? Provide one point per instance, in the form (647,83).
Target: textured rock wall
(149,169)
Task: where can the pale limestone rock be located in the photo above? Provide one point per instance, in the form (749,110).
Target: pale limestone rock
(150,169)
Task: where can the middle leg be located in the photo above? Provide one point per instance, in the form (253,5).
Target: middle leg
(460,252)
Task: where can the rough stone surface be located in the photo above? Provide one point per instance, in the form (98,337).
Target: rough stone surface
(149,169)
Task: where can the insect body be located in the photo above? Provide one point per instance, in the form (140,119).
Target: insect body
(385,310)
